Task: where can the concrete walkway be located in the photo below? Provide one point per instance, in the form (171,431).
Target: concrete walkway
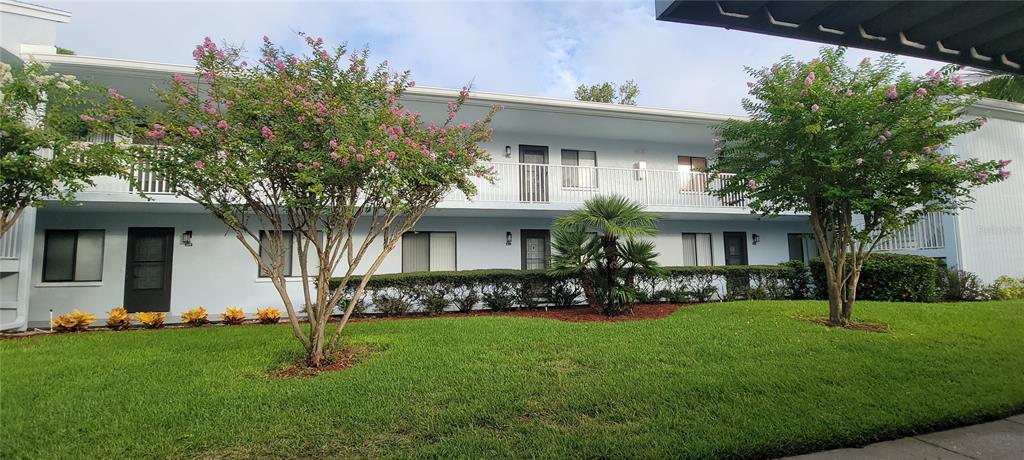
(999,440)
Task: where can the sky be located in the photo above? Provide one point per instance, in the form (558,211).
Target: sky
(527,48)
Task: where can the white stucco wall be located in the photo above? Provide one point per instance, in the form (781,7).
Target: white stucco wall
(217,272)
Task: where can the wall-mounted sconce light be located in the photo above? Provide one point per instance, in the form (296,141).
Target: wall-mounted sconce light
(508,238)
(757,238)
(508,151)
(186,238)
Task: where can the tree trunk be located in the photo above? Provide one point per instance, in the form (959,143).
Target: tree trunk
(316,344)
(835,302)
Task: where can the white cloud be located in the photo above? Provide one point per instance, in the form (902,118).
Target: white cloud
(515,47)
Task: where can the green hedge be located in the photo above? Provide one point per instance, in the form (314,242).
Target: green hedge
(501,289)
(888,277)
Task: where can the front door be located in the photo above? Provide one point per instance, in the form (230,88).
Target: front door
(533,173)
(536,249)
(736,254)
(147,280)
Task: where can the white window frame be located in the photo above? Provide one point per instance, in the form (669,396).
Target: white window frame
(455,249)
(74,255)
(574,176)
(696,251)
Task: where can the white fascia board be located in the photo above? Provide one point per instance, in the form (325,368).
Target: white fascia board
(34,11)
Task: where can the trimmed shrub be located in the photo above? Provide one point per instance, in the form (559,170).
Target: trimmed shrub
(195,317)
(564,292)
(797,279)
(888,277)
(960,286)
(500,297)
(76,321)
(434,299)
(466,296)
(151,319)
(268,315)
(118,319)
(232,316)
(1007,288)
(389,305)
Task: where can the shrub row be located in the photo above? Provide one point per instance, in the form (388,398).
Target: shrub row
(499,290)
(888,277)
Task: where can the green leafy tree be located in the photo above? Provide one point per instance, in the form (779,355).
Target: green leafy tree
(997,85)
(597,244)
(863,149)
(314,146)
(41,126)
(606,92)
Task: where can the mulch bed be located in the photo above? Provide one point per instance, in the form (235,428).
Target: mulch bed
(578,314)
(343,359)
(864,327)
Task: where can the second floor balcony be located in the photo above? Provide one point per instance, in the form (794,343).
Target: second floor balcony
(526,186)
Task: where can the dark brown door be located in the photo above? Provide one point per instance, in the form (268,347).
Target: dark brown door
(533,173)
(147,281)
(536,249)
(736,254)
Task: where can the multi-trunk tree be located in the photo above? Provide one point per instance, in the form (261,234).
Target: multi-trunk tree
(314,152)
(863,149)
(41,127)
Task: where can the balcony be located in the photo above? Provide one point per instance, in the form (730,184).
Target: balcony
(927,233)
(532,186)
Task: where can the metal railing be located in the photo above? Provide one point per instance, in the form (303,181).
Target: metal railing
(926,233)
(539,183)
(10,243)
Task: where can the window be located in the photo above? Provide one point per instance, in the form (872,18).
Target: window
(428,251)
(802,247)
(579,169)
(266,252)
(691,178)
(73,255)
(697,250)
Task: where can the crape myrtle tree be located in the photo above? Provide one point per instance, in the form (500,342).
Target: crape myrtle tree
(317,148)
(41,126)
(862,148)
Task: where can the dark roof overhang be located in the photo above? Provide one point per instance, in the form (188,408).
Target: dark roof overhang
(983,34)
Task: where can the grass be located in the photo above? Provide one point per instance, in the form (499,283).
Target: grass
(743,379)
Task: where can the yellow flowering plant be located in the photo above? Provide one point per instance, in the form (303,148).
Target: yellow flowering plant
(233,315)
(118,319)
(151,319)
(75,321)
(268,315)
(195,317)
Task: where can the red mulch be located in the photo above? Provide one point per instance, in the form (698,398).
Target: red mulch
(344,359)
(864,327)
(578,314)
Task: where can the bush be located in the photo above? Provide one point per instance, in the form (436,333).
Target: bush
(797,279)
(389,305)
(195,317)
(1007,288)
(268,315)
(888,277)
(435,299)
(76,321)
(118,319)
(465,296)
(500,297)
(232,316)
(151,319)
(564,292)
(960,286)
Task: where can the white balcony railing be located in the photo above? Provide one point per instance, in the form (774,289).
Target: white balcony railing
(10,243)
(541,184)
(927,233)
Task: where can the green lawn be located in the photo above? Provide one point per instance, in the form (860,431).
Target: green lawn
(741,379)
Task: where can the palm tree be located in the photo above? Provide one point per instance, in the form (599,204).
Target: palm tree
(588,241)
(997,85)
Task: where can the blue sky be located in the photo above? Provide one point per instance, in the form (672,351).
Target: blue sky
(529,48)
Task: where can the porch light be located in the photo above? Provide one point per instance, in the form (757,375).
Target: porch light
(508,151)
(186,238)
(757,238)
(508,238)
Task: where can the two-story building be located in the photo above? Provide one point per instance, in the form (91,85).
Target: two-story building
(113,248)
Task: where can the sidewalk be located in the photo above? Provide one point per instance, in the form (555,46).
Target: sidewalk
(999,440)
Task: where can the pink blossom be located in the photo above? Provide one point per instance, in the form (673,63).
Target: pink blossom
(1003,163)
(179,78)
(279,65)
(360,157)
(881,139)
(333,144)
(113,93)
(865,61)
(315,164)
(412,83)
(921,92)
(352,149)
(85,118)
(299,165)
(451,154)
(718,150)
(293,60)
(751,184)
(266,39)
(810,79)
(926,150)
(890,92)
(333,155)
(716,140)
(195,132)
(391,155)
(199,164)
(815,108)
(980,122)
(887,154)
(1003,174)
(321,109)
(750,84)
(266,132)
(981,176)
(183,100)
(305,145)
(344,161)
(849,92)
(859,161)
(223,124)
(198,52)
(958,81)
